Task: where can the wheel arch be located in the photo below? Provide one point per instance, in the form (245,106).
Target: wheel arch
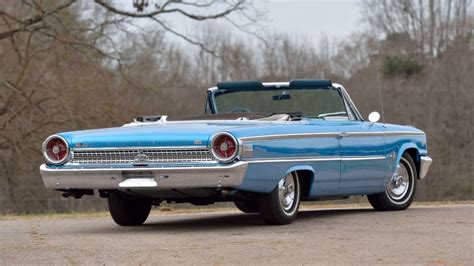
(305,175)
(414,152)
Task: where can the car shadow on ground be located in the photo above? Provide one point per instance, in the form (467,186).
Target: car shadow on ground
(220,221)
(216,220)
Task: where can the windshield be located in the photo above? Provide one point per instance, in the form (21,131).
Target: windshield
(308,102)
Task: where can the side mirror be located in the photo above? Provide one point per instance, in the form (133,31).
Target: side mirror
(374,117)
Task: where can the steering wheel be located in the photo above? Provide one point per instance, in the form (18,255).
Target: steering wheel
(240,110)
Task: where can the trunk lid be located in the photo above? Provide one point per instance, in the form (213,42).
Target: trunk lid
(179,133)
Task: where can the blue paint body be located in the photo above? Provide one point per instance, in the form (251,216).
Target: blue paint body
(329,177)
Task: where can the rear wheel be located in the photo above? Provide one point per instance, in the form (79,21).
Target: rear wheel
(400,191)
(128,210)
(281,205)
(249,206)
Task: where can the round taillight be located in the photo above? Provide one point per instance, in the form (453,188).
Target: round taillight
(224,147)
(55,149)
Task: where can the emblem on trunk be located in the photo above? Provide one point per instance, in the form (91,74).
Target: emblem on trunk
(140,159)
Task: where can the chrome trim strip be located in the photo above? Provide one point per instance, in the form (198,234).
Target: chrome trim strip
(383,133)
(425,163)
(315,159)
(329,135)
(291,135)
(404,133)
(289,160)
(140,148)
(362,158)
(230,175)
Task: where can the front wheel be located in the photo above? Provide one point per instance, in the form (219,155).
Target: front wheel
(281,205)
(128,210)
(400,190)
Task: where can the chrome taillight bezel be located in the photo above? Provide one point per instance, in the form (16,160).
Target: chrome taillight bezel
(45,154)
(235,154)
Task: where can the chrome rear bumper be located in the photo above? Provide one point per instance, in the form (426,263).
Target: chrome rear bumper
(425,162)
(141,177)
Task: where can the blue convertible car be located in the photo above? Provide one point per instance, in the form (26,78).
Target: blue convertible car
(264,146)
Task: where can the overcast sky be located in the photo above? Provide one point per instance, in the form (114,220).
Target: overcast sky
(311,18)
(297,18)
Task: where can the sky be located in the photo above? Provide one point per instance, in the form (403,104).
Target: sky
(307,19)
(312,18)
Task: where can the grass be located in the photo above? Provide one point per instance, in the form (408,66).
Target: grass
(171,210)
(54,215)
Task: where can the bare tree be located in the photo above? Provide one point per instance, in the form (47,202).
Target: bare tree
(240,14)
(74,65)
(432,24)
(43,47)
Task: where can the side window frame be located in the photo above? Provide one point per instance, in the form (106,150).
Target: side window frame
(354,113)
(209,109)
(347,106)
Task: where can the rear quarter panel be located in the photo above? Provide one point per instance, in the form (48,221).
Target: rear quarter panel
(314,140)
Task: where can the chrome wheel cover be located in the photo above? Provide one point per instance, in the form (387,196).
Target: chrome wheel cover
(400,186)
(287,193)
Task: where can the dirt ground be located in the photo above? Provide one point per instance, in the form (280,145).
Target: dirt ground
(424,234)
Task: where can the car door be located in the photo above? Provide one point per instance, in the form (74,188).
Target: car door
(326,152)
(364,160)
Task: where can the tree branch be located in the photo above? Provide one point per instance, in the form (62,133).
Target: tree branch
(184,37)
(23,25)
(162,9)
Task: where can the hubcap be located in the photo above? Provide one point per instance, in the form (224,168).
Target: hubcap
(399,185)
(286,189)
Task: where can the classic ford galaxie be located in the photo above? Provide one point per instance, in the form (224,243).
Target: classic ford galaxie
(264,146)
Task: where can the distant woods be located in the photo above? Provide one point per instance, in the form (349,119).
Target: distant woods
(427,27)
(69,65)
